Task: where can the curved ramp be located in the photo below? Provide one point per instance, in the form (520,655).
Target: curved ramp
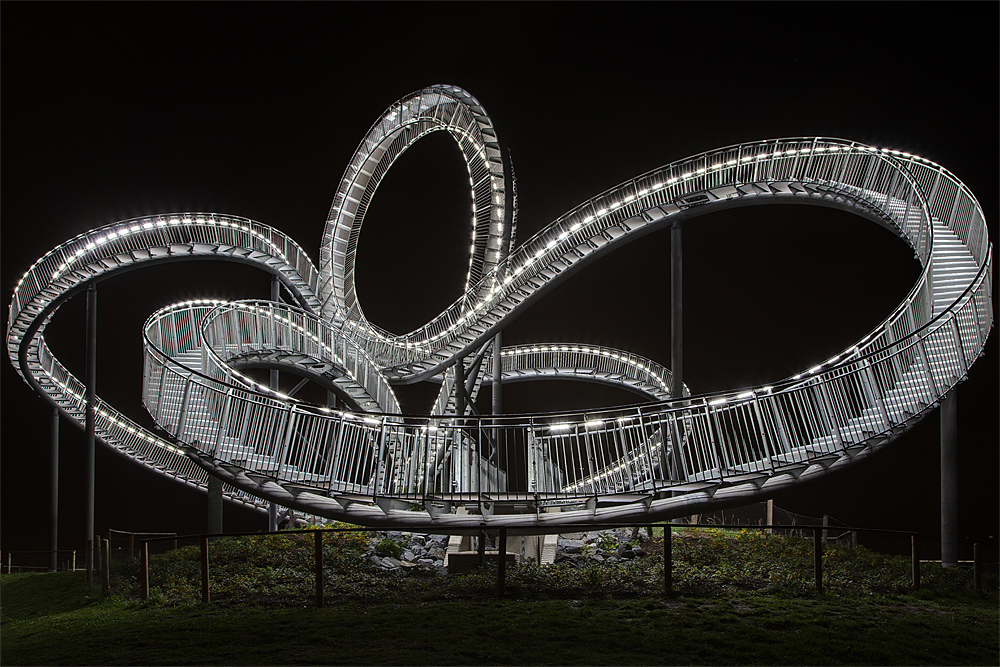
(651,461)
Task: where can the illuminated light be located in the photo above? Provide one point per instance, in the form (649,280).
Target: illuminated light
(560,427)
(814,369)
(594,423)
(718,401)
(602,212)
(746,394)
(642,192)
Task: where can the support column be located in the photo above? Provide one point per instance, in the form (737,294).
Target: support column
(272,507)
(497,386)
(459,457)
(54,491)
(460,387)
(214,505)
(949,480)
(89,428)
(676,319)
(676,313)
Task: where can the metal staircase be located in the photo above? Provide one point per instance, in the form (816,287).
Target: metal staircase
(654,460)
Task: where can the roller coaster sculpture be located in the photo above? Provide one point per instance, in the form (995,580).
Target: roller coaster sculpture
(673,455)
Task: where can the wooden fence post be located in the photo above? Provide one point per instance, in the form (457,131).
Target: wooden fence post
(818,558)
(668,560)
(318,555)
(105,566)
(502,563)
(73,560)
(204,569)
(144,570)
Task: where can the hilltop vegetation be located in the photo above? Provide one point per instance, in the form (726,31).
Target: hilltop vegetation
(740,598)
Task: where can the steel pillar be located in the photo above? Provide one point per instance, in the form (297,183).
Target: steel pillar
(272,507)
(89,428)
(676,313)
(949,480)
(676,319)
(54,491)
(497,387)
(460,387)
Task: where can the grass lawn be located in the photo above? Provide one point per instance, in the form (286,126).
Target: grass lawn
(553,615)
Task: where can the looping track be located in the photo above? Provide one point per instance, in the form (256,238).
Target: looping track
(373,466)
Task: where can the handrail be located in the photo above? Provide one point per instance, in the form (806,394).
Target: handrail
(657,459)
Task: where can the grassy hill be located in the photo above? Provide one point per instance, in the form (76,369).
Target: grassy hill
(740,599)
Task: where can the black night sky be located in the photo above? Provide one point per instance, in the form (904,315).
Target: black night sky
(111,111)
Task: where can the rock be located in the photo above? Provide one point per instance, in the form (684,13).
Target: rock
(390,563)
(418,539)
(571,546)
(436,552)
(408,555)
(625,552)
(417,549)
(637,551)
(440,539)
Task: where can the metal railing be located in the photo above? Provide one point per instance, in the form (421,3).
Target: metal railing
(659,459)
(811,169)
